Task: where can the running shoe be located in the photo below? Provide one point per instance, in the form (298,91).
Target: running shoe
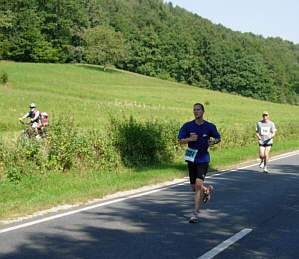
(262,164)
(266,169)
(207,194)
(194,218)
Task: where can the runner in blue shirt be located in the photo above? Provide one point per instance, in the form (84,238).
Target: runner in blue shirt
(197,134)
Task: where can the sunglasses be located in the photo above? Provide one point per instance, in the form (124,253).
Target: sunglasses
(265,114)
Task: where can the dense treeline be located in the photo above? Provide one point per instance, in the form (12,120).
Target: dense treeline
(161,41)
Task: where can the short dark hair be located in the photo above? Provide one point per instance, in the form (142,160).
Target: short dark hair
(202,107)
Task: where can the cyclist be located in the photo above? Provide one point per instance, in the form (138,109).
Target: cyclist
(33,114)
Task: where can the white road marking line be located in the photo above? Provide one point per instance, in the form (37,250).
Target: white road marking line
(225,244)
(124,198)
(294,153)
(78,210)
(285,156)
(273,159)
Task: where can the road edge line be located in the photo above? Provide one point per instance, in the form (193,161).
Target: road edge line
(225,244)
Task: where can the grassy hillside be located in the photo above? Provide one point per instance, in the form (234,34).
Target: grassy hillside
(158,40)
(88,94)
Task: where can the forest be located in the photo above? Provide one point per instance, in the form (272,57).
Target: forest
(153,38)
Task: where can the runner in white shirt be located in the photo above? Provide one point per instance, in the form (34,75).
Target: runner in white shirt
(265,131)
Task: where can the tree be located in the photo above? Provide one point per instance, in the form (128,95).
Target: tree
(104,45)
(6,24)
(165,41)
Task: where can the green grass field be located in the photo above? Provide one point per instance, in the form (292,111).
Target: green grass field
(89,95)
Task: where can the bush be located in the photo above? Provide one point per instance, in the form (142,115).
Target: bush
(128,141)
(23,159)
(64,143)
(66,147)
(69,147)
(3,77)
(3,154)
(235,137)
(104,154)
(144,143)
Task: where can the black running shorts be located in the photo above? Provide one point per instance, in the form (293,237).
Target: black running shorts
(265,145)
(197,171)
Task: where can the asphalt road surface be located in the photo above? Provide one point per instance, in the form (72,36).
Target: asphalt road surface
(251,215)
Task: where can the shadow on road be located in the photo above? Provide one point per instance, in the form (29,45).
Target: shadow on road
(156,226)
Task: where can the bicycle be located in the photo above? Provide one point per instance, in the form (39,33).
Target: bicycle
(29,133)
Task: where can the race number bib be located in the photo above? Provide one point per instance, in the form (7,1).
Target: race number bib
(265,131)
(190,154)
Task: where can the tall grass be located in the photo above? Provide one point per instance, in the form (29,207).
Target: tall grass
(125,143)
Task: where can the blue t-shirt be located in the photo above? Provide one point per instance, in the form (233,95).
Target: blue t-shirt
(204,131)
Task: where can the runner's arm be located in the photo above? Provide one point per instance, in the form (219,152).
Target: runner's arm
(213,142)
(214,134)
(190,139)
(183,135)
(273,131)
(258,135)
(272,135)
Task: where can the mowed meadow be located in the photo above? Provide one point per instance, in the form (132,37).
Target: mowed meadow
(87,93)
(101,105)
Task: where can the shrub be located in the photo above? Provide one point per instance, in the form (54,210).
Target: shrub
(143,143)
(68,146)
(64,144)
(3,77)
(233,137)
(104,154)
(23,159)
(3,154)
(135,143)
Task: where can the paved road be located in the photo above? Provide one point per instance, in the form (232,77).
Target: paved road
(156,225)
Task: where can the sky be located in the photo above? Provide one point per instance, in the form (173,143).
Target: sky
(269,18)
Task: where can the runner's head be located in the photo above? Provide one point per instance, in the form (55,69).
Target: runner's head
(201,106)
(198,110)
(265,115)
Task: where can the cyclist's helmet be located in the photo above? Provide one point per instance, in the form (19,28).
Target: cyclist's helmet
(32,105)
